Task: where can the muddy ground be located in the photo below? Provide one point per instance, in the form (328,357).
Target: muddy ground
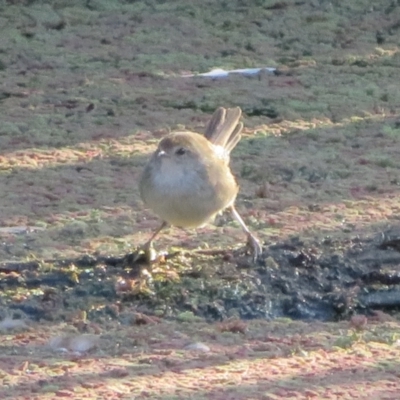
(89,87)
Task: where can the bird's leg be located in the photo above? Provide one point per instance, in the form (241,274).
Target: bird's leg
(252,242)
(147,248)
(149,244)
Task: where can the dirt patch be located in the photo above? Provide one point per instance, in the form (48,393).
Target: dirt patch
(189,359)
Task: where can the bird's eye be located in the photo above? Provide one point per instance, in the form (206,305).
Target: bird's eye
(181,151)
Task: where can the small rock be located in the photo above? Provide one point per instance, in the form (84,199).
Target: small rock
(74,343)
(198,346)
(9,324)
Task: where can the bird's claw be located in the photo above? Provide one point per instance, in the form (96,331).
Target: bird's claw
(145,254)
(254,245)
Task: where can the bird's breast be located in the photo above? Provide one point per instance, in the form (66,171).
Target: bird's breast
(184,197)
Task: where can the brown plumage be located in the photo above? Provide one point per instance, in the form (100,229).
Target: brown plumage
(188,179)
(224,128)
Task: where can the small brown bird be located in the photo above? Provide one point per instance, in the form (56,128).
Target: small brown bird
(188,181)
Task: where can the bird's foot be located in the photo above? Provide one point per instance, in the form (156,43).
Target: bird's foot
(254,245)
(145,254)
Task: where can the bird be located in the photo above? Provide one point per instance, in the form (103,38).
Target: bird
(188,180)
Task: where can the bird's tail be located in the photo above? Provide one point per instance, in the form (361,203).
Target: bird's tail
(224,128)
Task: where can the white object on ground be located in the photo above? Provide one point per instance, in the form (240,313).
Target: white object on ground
(222,73)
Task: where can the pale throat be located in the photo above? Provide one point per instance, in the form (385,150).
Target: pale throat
(174,177)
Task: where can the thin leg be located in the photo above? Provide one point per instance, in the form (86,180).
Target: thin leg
(252,241)
(149,243)
(147,248)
